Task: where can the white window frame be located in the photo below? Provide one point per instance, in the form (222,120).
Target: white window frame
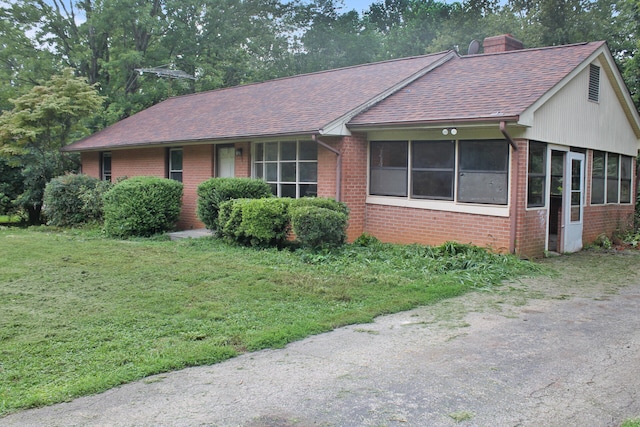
(278,183)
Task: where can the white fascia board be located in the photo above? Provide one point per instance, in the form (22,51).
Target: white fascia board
(338,127)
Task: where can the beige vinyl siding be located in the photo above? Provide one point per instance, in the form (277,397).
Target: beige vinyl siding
(570,118)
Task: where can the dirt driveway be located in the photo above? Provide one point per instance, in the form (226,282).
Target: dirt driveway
(561,351)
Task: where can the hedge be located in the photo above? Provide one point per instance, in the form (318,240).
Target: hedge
(71,200)
(142,206)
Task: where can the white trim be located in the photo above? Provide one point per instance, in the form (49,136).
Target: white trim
(440,205)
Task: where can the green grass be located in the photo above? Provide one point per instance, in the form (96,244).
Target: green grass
(81,313)
(635,422)
(9,219)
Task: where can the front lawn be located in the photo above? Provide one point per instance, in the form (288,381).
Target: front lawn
(81,313)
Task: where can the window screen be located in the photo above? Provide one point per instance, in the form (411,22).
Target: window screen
(598,178)
(613,168)
(537,173)
(432,169)
(625,179)
(483,171)
(388,168)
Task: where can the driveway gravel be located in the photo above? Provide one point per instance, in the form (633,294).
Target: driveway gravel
(549,351)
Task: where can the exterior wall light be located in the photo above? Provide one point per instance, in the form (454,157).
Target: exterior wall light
(238,152)
(447,131)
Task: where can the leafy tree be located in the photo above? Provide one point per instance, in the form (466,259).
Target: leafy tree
(43,121)
(11,185)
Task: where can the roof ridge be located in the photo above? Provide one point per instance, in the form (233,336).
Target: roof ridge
(531,49)
(313,73)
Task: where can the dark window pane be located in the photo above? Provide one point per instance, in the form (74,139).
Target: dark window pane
(271,151)
(274,189)
(308,150)
(389,154)
(288,172)
(176,160)
(612,166)
(288,150)
(288,190)
(484,155)
(432,184)
(535,196)
(597,191)
(598,163)
(433,154)
(537,163)
(259,152)
(625,167)
(308,171)
(176,175)
(272,171)
(259,170)
(612,190)
(308,190)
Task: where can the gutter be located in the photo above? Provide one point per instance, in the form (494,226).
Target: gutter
(338,165)
(513,215)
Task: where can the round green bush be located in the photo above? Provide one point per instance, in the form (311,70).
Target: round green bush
(214,191)
(142,206)
(71,200)
(317,227)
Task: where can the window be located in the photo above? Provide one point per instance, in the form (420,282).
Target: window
(594,83)
(537,174)
(482,170)
(290,167)
(432,169)
(175,164)
(613,161)
(389,168)
(625,179)
(105,166)
(598,177)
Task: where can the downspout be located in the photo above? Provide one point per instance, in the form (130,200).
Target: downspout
(338,165)
(513,215)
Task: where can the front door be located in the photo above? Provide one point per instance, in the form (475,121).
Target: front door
(573,202)
(226,163)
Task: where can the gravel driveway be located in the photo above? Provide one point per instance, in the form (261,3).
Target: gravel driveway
(560,351)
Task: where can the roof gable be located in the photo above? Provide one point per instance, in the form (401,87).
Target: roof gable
(295,105)
(488,87)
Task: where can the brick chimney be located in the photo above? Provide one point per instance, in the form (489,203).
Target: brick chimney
(502,43)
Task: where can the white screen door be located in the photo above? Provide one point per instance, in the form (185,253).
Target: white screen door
(226,165)
(573,202)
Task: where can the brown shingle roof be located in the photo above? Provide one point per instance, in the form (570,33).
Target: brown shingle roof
(487,86)
(295,105)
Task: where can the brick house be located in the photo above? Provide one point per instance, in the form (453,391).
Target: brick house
(522,150)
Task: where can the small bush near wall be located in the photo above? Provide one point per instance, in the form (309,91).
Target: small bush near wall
(214,191)
(72,200)
(321,202)
(255,222)
(142,206)
(318,227)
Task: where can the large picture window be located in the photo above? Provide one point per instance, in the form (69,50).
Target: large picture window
(481,168)
(536,174)
(611,178)
(290,167)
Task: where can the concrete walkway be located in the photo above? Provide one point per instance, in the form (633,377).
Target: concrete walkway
(190,234)
(571,358)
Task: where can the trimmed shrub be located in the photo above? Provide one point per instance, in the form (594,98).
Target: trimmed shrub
(142,206)
(214,191)
(255,222)
(72,199)
(321,202)
(317,227)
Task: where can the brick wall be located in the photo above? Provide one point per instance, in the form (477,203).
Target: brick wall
(243,163)
(429,227)
(327,164)
(354,181)
(197,166)
(138,162)
(91,164)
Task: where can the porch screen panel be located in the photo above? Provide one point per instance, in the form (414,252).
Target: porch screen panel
(432,169)
(625,179)
(483,172)
(388,168)
(613,168)
(537,173)
(598,177)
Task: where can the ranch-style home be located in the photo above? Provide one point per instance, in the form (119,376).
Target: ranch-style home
(521,150)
